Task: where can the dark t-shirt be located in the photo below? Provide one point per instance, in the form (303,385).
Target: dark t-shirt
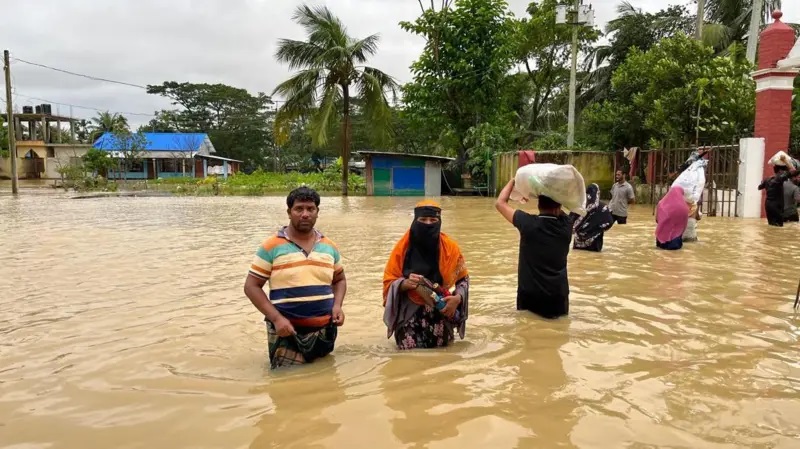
(544,243)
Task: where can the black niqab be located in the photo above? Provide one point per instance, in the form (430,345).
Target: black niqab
(422,257)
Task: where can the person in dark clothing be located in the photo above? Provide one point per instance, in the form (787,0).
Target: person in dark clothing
(543,286)
(774,189)
(590,228)
(791,198)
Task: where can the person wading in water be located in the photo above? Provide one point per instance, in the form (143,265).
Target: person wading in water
(543,287)
(425,261)
(306,285)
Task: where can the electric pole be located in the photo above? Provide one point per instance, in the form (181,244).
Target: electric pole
(573,81)
(12,141)
(755,27)
(576,16)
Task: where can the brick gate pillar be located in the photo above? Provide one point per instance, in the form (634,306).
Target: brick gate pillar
(774,88)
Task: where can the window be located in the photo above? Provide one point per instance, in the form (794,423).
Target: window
(75,161)
(134,166)
(174,165)
(51,152)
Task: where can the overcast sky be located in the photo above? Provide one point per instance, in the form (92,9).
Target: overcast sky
(151,41)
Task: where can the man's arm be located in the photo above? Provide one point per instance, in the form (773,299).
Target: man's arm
(631,195)
(502,205)
(339,284)
(254,290)
(339,289)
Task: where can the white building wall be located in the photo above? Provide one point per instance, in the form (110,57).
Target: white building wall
(433,178)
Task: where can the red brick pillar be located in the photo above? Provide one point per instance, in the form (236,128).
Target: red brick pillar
(774,88)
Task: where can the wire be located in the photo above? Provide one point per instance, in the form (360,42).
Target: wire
(95,78)
(141,114)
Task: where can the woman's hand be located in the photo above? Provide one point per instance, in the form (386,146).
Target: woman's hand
(452,303)
(411,283)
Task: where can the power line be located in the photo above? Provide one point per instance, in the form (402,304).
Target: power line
(95,78)
(141,114)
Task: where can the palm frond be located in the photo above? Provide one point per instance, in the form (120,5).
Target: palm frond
(363,49)
(717,35)
(301,93)
(372,86)
(299,54)
(325,116)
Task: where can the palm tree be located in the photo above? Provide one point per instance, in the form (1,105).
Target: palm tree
(727,22)
(107,122)
(329,73)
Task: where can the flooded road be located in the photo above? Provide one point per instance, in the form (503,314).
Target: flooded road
(123,325)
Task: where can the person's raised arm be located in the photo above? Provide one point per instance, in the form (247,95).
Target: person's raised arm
(502,205)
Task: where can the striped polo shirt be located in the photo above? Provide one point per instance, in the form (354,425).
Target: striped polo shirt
(300,284)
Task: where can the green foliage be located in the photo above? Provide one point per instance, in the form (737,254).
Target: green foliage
(632,28)
(678,91)
(484,141)
(97,161)
(542,44)
(107,122)
(330,75)
(260,183)
(3,139)
(237,122)
(461,71)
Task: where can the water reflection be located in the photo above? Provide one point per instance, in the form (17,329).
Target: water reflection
(122,324)
(301,397)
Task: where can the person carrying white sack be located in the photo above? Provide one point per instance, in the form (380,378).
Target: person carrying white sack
(542,282)
(691,177)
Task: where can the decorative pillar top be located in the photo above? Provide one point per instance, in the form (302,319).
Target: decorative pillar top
(775,43)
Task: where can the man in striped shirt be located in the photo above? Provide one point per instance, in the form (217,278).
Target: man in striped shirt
(306,285)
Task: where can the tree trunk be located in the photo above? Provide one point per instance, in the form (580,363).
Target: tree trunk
(345,138)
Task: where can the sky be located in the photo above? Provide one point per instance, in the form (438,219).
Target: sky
(205,41)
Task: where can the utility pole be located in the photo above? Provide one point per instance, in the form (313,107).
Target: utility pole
(573,82)
(755,27)
(576,16)
(12,140)
(701,16)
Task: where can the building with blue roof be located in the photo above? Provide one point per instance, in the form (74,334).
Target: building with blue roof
(168,155)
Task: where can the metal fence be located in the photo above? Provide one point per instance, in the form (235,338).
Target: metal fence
(720,196)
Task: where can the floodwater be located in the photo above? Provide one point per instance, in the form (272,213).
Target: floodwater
(123,325)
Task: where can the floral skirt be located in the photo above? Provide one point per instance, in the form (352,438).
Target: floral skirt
(424,330)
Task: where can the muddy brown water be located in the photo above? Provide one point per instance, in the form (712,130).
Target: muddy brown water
(123,325)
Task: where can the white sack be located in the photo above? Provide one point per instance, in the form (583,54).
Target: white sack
(562,183)
(693,180)
(776,160)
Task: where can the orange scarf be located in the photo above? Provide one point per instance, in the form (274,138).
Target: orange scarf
(451,265)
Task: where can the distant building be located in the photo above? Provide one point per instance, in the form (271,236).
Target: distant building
(398,174)
(170,155)
(42,145)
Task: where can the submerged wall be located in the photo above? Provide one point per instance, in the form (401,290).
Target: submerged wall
(595,166)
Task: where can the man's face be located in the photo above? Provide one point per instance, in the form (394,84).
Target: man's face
(303,215)
(619,176)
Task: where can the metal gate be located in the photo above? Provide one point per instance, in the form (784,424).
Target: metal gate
(721,194)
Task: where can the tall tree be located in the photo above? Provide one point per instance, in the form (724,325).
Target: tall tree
(544,47)
(330,73)
(462,69)
(727,22)
(237,122)
(107,122)
(632,28)
(678,90)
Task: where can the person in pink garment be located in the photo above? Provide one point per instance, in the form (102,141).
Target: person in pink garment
(672,217)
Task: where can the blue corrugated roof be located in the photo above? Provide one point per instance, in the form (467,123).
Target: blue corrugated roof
(159,141)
